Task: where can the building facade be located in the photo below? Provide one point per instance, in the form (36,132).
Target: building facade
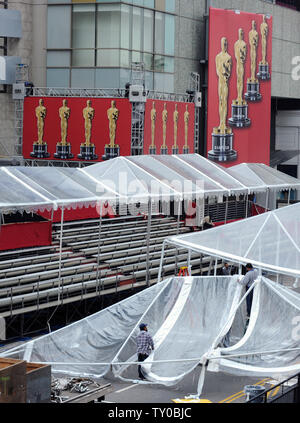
(92,43)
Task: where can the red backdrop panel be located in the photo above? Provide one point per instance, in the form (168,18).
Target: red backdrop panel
(76,130)
(29,234)
(253,143)
(170,107)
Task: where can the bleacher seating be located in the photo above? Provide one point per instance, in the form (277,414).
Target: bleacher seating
(35,278)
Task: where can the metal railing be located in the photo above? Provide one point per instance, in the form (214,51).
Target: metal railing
(287,392)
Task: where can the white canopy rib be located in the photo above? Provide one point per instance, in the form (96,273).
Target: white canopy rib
(154,177)
(286,232)
(29,187)
(227,174)
(201,173)
(258,233)
(99,182)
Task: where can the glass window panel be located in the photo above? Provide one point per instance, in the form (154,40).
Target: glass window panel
(159,33)
(149,3)
(149,61)
(124,58)
(149,80)
(136,56)
(148,30)
(58,58)
(136,28)
(138,2)
(107,78)
(169,64)
(170,6)
(109,1)
(58,78)
(169,34)
(108,26)
(83,78)
(108,58)
(59,1)
(159,63)
(125,26)
(164,82)
(83,26)
(124,77)
(58,27)
(83,58)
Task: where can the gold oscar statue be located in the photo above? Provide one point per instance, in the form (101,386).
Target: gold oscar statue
(175,149)
(186,118)
(63,148)
(87,149)
(263,71)
(39,146)
(152,148)
(239,107)
(222,136)
(112,150)
(253,93)
(164,148)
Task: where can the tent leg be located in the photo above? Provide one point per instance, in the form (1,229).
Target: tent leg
(177,232)
(267,200)
(189,263)
(161,262)
(148,241)
(226,210)
(246,214)
(289,197)
(60,248)
(98,253)
(215,269)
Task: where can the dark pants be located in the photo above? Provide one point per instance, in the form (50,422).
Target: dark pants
(141,357)
(249,299)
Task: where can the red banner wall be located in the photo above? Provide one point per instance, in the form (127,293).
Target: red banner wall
(76,125)
(252,144)
(170,107)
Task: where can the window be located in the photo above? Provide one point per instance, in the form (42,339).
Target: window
(109,35)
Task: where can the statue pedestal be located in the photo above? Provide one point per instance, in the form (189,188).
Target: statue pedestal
(185,150)
(253,93)
(87,152)
(111,152)
(239,117)
(152,150)
(222,147)
(263,72)
(63,151)
(175,150)
(163,150)
(40,151)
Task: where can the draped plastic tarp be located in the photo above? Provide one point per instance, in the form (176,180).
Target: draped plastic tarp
(270,241)
(262,176)
(192,320)
(271,344)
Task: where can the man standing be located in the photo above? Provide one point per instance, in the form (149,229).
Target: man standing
(248,281)
(144,346)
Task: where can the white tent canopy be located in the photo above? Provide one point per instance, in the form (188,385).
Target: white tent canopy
(270,241)
(261,177)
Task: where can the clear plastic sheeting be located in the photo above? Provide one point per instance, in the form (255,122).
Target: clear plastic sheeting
(262,176)
(87,347)
(16,196)
(183,328)
(270,241)
(271,344)
(193,320)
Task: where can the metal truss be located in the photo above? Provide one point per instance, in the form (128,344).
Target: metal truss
(77,92)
